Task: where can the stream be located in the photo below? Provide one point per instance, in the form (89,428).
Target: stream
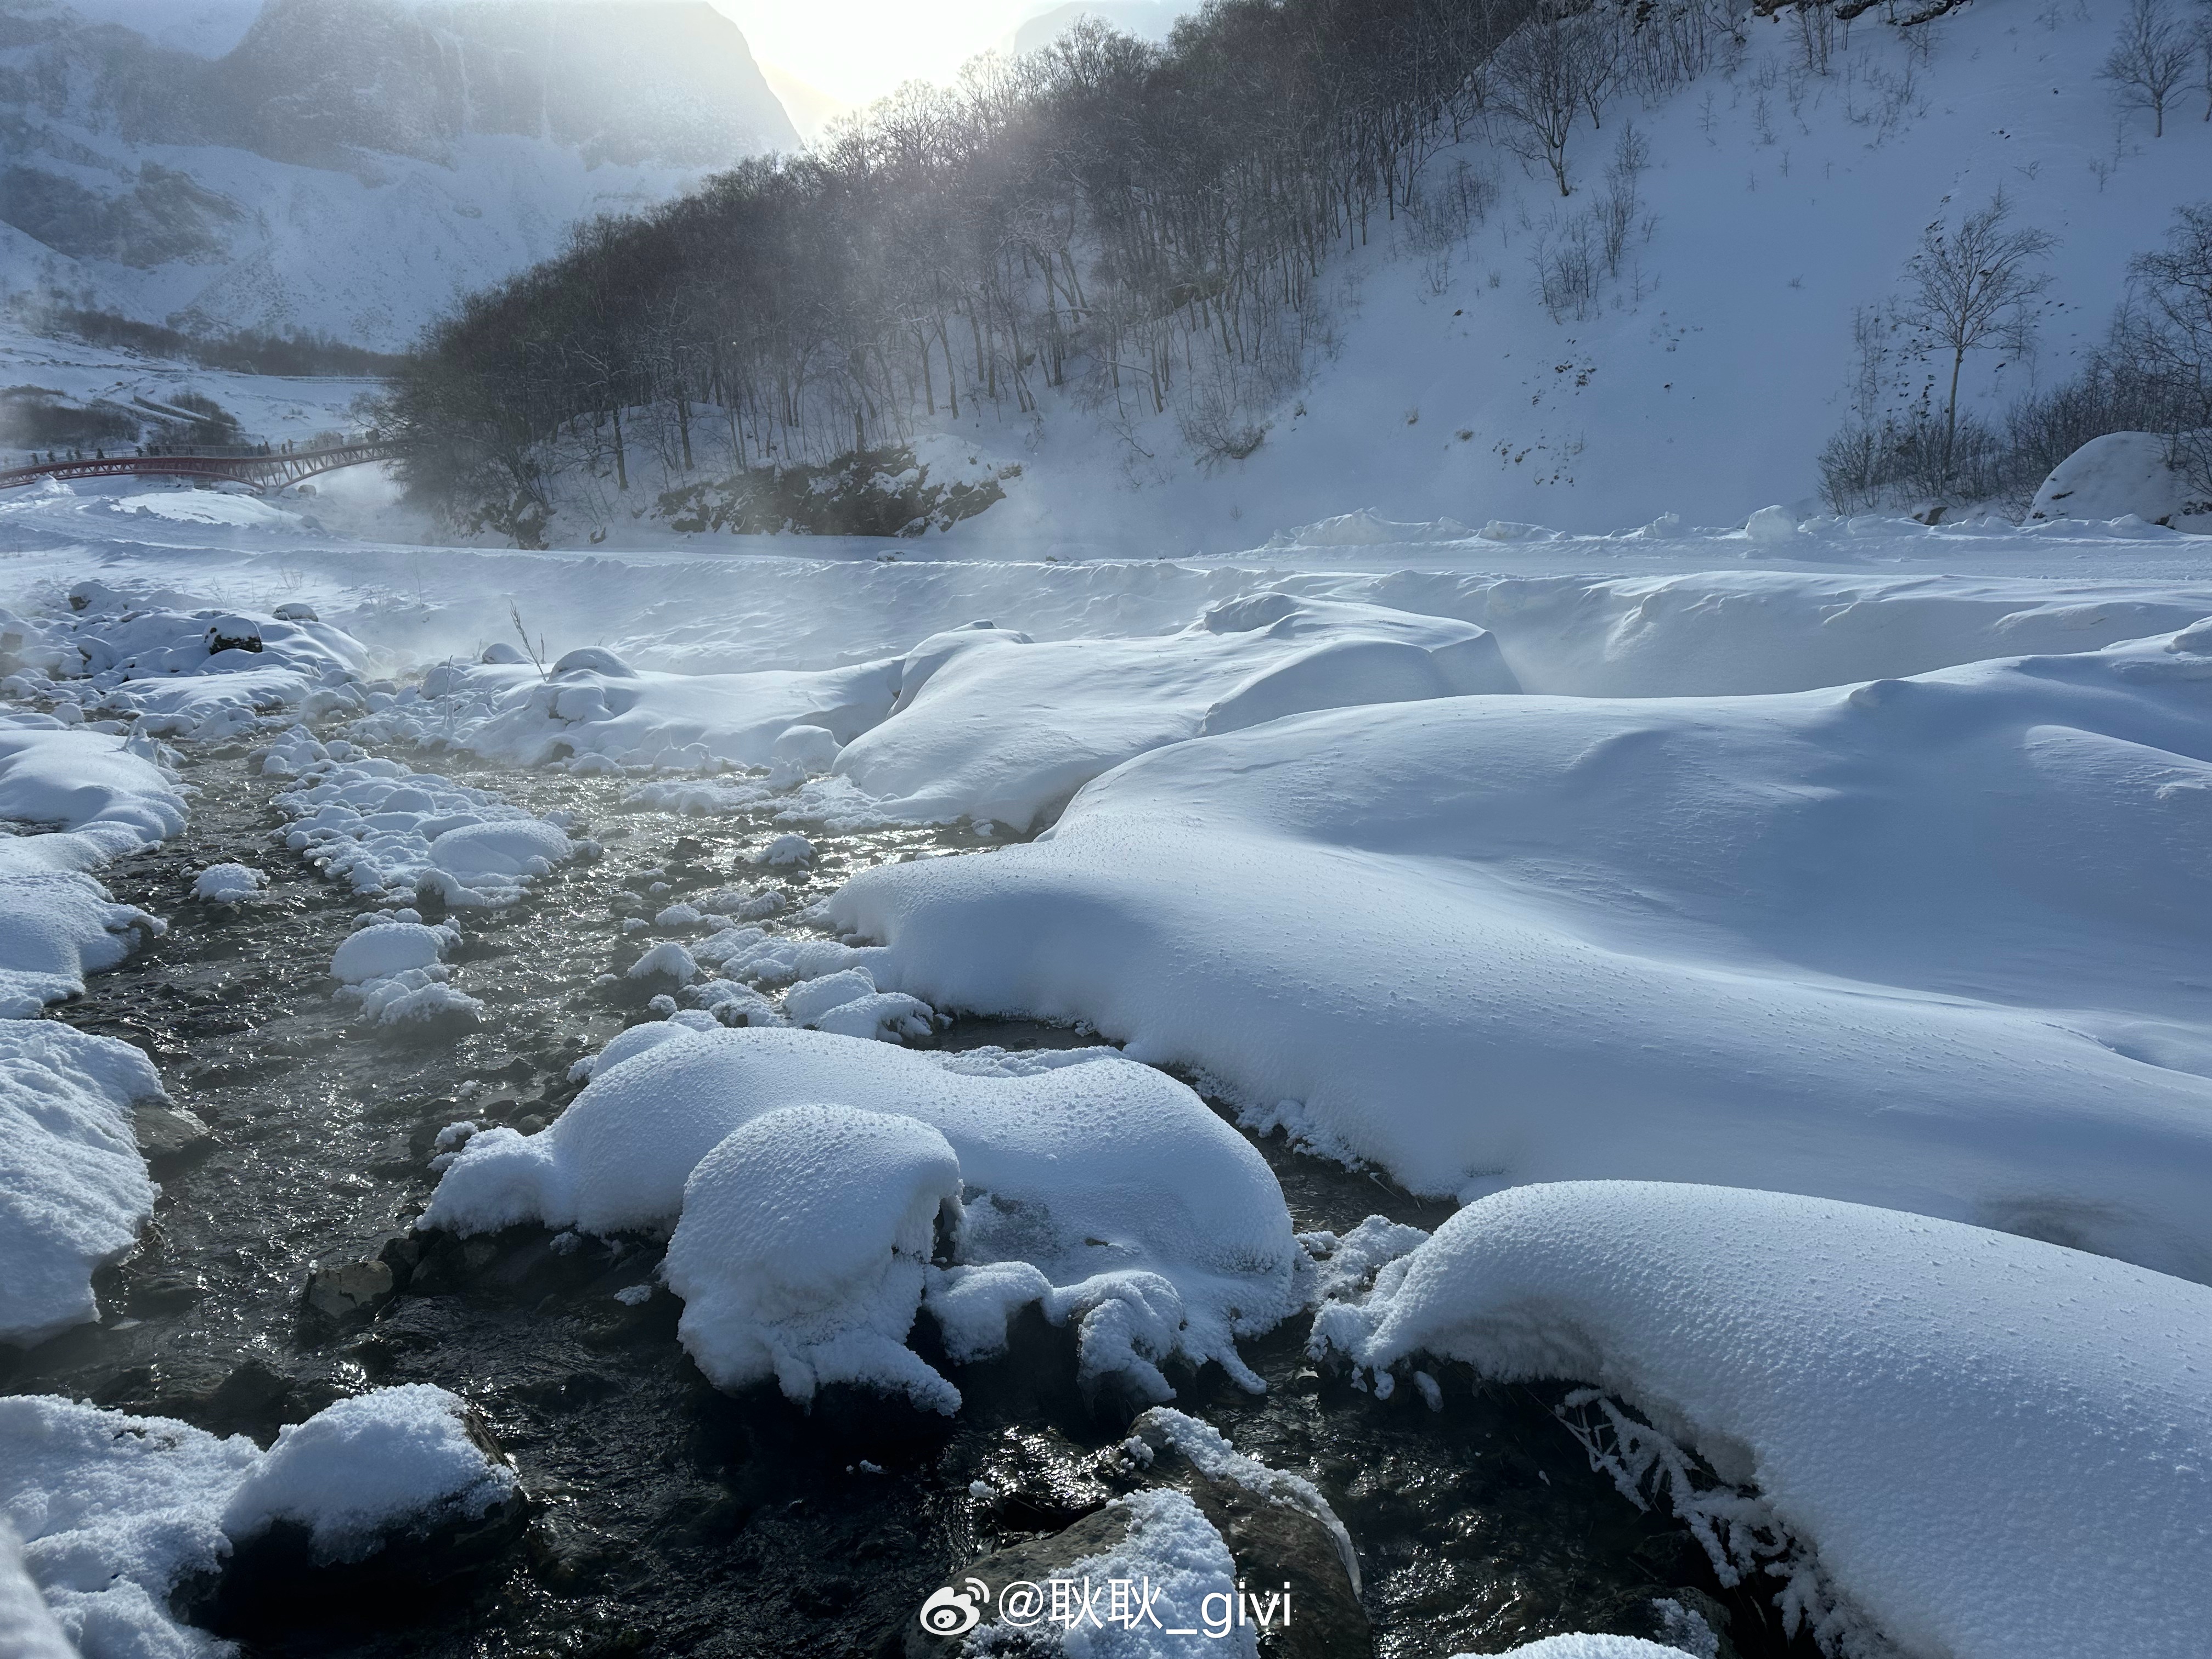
(667,1517)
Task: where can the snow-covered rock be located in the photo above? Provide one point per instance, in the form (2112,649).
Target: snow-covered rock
(1969,1437)
(74,1190)
(392,832)
(393,968)
(228,883)
(1103,1190)
(359,1469)
(809,1280)
(2108,477)
(116,1511)
(1926,942)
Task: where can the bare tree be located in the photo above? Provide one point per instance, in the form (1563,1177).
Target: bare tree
(2204,50)
(1972,289)
(1536,81)
(2154,55)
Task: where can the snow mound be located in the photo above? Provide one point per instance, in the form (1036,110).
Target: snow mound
(2109,477)
(74,1190)
(803,1248)
(228,883)
(364,1468)
(1098,1188)
(1906,1395)
(56,922)
(993,726)
(1927,943)
(394,970)
(596,712)
(389,831)
(116,1511)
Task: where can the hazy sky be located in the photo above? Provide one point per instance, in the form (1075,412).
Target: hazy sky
(853,50)
(858,50)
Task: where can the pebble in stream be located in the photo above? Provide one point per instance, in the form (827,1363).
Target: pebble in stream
(674,1519)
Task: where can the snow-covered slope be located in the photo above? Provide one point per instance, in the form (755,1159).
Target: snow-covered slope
(1705,378)
(349,167)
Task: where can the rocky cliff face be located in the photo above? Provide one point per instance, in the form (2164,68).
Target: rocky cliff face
(480,130)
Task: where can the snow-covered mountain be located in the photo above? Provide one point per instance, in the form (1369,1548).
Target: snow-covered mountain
(347,167)
(1774,197)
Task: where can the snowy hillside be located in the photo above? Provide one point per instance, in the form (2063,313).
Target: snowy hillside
(347,169)
(1704,378)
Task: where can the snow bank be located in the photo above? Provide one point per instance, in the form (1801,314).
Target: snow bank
(1973,1437)
(57,923)
(73,1191)
(394,832)
(991,725)
(1935,944)
(116,1511)
(1101,1189)
(597,714)
(801,1254)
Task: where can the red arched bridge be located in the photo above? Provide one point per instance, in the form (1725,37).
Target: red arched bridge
(270,470)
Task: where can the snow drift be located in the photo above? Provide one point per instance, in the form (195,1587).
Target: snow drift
(1935,944)
(1974,1437)
(990,725)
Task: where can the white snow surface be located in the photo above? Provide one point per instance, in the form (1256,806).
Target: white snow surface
(1974,1434)
(1103,1190)
(393,832)
(115,1511)
(1876,944)
(27,1627)
(103,799)
(991,725)
(74,1190)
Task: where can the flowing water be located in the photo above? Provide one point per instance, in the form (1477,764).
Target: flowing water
(666,1517)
